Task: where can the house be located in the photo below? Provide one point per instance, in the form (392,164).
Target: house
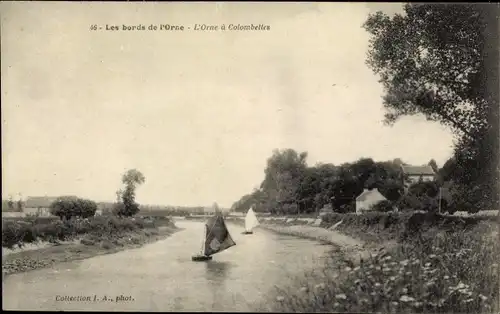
(367,199)
(38,205)
(413,174)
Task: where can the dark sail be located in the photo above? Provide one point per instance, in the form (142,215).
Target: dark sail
(217,237)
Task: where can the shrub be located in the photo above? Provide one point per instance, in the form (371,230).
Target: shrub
(16,233)
(347,208)
(67,207)
(383,206)
(426,188)
(408,202)
(128,207)
(417,202)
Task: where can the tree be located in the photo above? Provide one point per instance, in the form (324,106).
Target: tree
(67,207)
(383,206)
(434,165)
(131,179)
(119,195)
(429,62)
(316,187)
(425,188)
(434,61)
(10,203)
(285,169)
(20,203)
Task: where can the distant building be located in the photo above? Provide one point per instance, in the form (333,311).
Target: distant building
(38,205)
(414,174)
(211,210)
(367,199)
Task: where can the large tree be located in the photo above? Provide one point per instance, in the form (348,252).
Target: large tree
(131,179)
(430,62)
(436,60)
(285,169)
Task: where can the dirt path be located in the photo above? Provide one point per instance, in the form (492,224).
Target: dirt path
(354,249)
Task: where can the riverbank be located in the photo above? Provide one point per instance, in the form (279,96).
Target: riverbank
(353,249)
(44,254)
(433,263)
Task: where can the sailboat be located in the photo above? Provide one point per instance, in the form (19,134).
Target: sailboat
(250,222)
(216,238)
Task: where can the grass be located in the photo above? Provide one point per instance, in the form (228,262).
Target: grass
(440,265)
(75,239)
(20,231)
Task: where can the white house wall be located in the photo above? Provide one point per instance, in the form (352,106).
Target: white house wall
(371,200)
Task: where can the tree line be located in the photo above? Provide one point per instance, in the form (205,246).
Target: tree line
(434,60)
(290,186)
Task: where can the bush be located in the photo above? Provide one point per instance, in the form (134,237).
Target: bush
(383,226)
(426,188)
(128,209)
(408,202)
(347,208)
(417,202)
(67,207)
(14,233)
(383,206)
(17,233)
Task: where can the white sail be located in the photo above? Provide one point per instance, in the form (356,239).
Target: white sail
(250,220)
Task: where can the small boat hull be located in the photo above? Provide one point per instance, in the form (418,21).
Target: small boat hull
(201,258)
(247,232)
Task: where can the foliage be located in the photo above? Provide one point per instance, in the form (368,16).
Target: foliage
(10,204)
(443,53)
(431,61)
(383,206)
(20,205)
(347,208)
(282,178)
(291,186)
(425,188)
(374,226)
(422,202)
(337,186)
(29,230)
(419,276)
(66,207)
(128,207)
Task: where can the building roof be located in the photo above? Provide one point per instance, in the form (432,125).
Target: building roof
(42,201)
(364,195)
(39,201)
(418,170)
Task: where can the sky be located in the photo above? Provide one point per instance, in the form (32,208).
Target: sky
(197,112)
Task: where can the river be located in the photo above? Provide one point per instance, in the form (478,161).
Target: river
(161,276)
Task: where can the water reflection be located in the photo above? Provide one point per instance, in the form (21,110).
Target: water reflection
(217,271)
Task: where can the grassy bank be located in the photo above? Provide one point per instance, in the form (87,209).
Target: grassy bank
(439,264)
(31,243)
